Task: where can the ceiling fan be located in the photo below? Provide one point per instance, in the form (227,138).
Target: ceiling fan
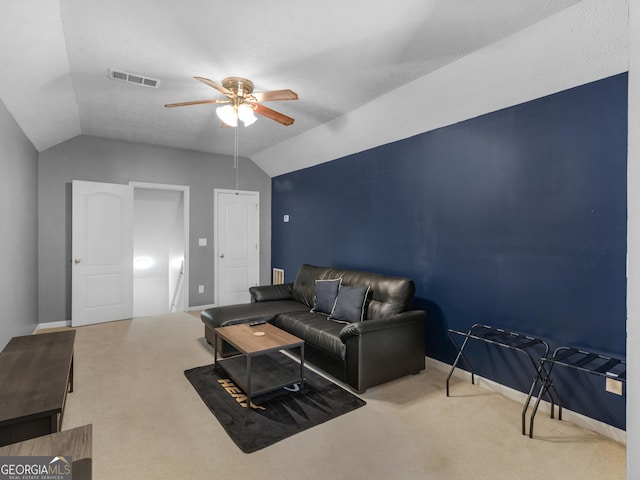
(241,102)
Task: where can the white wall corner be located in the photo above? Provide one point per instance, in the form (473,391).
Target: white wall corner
(633,246)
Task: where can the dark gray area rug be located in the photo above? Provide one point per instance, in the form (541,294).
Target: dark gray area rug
(275,415)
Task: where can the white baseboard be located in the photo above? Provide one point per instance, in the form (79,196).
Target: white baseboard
(200,307)
(597,426)
(63,323)
(67,323)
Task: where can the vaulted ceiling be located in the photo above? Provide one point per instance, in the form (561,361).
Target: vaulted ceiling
(336,55)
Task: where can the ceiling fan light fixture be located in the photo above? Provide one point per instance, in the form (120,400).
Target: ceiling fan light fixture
(242,103)
(245,113)
(228,115)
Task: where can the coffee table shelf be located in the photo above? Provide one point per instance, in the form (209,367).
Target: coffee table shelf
(266,374)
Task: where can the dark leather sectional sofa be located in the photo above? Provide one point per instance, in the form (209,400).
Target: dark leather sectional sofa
(388,343)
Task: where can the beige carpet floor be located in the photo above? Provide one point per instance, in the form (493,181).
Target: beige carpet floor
(149,423)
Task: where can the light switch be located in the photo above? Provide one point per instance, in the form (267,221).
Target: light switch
(202,242)
(285,219)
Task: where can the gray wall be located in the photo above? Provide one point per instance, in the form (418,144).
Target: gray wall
(103,160)
(18,217)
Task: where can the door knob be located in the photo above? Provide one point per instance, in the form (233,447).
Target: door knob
(77,260)
(222,255)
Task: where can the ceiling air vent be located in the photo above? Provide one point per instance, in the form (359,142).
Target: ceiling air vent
(133,78)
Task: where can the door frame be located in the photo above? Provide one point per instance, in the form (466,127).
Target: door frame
(185,196)
(216,256)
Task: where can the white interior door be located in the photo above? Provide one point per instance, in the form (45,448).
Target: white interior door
(102,252)
(237,245)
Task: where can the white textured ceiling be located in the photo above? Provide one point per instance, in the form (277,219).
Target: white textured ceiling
(337,55)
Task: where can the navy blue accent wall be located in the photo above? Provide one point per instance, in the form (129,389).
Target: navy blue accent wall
(515,219)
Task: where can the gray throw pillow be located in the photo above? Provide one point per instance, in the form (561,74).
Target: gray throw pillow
(326,293)
(349,305)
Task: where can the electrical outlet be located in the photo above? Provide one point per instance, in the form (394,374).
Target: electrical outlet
(200,288)
(613,386)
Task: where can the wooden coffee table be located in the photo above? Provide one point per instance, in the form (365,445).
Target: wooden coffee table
(253,370)
(36,372)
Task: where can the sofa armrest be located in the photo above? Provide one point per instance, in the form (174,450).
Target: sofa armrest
(392,321)
(379,350)
(266,293)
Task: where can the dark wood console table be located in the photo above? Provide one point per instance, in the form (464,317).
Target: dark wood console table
(36,372)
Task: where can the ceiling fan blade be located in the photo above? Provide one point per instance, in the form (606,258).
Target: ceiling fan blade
(272,114)
(275,95)
(215,85)
(195,102)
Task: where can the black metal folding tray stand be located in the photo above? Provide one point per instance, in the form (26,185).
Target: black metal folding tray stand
(524,344)
(589,362)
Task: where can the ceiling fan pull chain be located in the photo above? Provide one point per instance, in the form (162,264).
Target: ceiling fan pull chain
(235,155)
